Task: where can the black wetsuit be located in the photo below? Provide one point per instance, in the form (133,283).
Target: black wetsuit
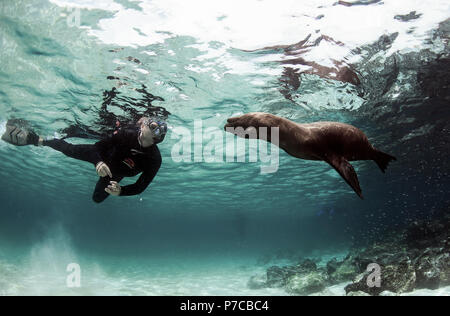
(124,156)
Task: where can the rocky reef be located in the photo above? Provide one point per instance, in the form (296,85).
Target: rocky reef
(417,257)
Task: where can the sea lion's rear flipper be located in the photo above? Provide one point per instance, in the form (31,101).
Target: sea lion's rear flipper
(345,169)
(382,159)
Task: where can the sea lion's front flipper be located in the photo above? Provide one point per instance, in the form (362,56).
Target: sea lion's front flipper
(345,169)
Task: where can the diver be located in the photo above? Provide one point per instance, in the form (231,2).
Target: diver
(129,151)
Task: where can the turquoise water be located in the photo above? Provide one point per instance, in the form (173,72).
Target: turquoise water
(201,228)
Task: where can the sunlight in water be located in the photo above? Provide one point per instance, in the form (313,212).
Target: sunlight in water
(212,222)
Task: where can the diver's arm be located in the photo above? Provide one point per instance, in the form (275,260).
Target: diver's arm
(100,166)
(144,180)
(103,146)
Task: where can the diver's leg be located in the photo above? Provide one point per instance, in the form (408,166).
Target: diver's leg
(87,153)
(99,193)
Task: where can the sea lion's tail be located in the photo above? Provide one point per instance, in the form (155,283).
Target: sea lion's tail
(382,159)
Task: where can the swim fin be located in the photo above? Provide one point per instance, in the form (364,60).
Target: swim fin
(19,136)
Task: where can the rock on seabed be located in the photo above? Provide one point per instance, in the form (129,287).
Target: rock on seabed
(415,258)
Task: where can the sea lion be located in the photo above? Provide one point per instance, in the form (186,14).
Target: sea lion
(333,142)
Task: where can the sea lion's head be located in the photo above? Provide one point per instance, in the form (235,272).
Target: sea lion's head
(248,125)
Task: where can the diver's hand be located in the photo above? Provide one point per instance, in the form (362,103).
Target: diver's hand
(113,188)
(103,170)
